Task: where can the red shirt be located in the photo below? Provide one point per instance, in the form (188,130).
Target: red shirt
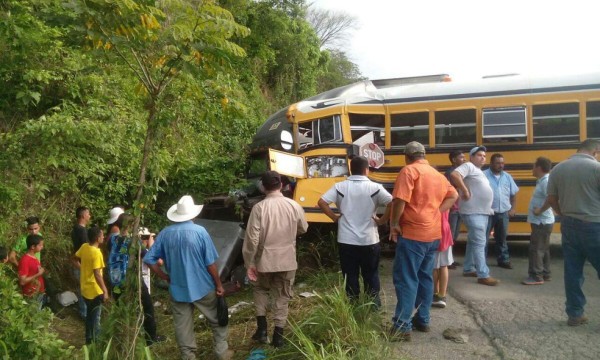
(29,266)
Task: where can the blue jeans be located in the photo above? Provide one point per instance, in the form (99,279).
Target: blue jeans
(358,260)
(499,222)
(80,301)
(92,320)
(476,240)
(454,220)
(580,241)
(413,280)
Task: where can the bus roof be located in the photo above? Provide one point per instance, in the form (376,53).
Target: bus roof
(389,91)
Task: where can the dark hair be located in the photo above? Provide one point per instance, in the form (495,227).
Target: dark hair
(271,180)
(454,154)
(590,145)
(33,240)
(496,156)
(126,221)
(3,253)
(80,210)
(93,233)
(358,165)
(32,220)
(543,163)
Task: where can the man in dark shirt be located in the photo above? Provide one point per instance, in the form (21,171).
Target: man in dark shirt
(79,237)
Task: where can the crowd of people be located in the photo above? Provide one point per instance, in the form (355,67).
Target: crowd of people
(424,213)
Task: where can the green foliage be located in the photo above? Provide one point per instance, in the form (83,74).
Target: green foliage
(340,71)
(338,329)
(26,332)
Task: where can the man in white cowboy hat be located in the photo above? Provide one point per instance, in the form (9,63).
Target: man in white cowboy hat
(189,256)
(270,254)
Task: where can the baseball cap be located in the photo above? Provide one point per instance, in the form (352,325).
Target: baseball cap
(413,148)
(476,149)
(271,180)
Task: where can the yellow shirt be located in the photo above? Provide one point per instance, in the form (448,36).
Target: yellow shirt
(91,258)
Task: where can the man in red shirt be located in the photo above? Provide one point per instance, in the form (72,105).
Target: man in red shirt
(31,270)
(421,193)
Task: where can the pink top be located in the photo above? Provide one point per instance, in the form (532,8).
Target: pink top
(446,240)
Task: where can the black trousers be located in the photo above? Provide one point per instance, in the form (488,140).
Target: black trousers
(148,308)
(358,260)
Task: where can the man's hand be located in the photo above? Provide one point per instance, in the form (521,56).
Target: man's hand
(511,212)
(537,211)
(105,297)
(465,195)
(336,217)
(41,271)
(252,273)
(395,231)
(379,220)
(220,291)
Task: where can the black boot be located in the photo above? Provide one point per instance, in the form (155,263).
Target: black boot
(261,331)
(278,339)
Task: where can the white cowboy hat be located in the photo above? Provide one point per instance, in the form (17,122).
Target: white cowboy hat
(114,214)
(184,210)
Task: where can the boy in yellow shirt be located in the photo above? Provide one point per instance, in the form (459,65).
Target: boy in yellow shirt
(93,289)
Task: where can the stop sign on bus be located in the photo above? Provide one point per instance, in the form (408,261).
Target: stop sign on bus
(373,153)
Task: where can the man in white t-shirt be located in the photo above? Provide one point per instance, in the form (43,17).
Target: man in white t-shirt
(357,200)
(475,207)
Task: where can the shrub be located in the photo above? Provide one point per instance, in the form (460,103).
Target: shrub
(26,332)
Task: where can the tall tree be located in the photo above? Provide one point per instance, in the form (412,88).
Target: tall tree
(332,27)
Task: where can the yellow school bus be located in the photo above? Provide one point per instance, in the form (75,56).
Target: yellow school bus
(518,116)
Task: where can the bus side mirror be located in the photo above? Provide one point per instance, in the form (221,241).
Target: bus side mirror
(286,140)
(353,151)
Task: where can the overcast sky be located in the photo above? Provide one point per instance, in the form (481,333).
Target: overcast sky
(471,38)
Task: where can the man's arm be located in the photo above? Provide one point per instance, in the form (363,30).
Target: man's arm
(12,257)
(397,210)
(327,210)
(513,206)
(449,201)
(458,182)
(212,270)
(552,200)
(23,279)
(100,281)
(76,262)
(386,215)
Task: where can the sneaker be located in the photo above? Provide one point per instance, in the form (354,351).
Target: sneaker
(419,326)
(489,281)
(470,274)
(396,335)
(439,301)
(505,265)
(532,281)
(576,321)
(547,278)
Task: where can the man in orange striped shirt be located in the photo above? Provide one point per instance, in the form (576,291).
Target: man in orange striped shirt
(421,193)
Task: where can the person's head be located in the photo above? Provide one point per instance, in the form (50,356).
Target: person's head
(359,166)
(497,163)
(271,181)
(184,210)
(590,147)
(3,255)
(35,243)
(414,151)
(457,158)
(125,223)
(33,225)
(113,214)
(95,235)
(83,215)
(477,156)
(541,167)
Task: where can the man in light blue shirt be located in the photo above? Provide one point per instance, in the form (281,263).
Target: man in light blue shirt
(189,256)
(541,218)
(504,206)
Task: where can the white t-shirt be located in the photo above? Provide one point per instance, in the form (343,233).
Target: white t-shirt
(480,189)
(357,198)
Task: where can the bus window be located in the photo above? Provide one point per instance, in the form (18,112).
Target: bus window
(320,131)
(593,119)
(410,127)
(556,122)
(454,127)
(505,124)
(361,124)
(327,166)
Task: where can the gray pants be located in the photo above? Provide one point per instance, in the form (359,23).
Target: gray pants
(280,285)
(539,250)
(183,318)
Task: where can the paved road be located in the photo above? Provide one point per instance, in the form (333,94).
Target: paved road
(510,321)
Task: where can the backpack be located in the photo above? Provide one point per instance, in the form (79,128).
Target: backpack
(118,259)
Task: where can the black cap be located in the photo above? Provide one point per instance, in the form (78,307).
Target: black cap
(271,180)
